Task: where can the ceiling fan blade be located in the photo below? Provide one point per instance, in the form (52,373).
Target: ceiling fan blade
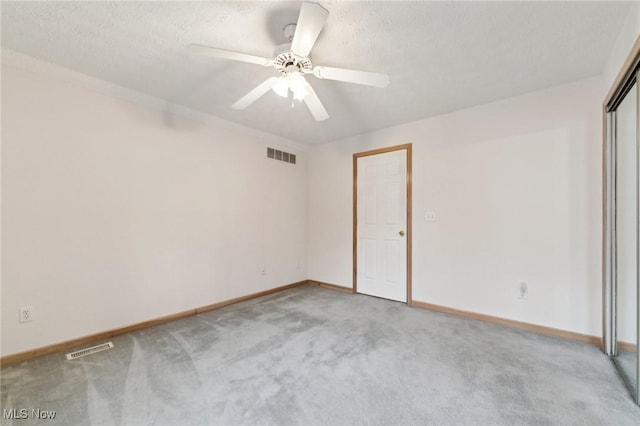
(352,76)
(310,22)
(255,94)
(315,106)
(228,54)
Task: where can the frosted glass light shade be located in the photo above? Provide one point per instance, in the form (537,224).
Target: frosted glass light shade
(281,87)
(293,81)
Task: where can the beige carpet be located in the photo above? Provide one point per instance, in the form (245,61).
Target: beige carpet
(311,356)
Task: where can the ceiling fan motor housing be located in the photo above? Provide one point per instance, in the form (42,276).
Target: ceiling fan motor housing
(286,61)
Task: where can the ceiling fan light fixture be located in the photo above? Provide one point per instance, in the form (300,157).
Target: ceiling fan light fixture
(293,81)
(300,95)
(281,87)
(298,86)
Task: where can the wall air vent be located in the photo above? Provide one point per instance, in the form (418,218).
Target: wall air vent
(276,154)
(89,351)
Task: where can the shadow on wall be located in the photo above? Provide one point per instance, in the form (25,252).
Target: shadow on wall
(172,114)
(164,114)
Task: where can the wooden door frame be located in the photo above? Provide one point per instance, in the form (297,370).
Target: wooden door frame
(407,148)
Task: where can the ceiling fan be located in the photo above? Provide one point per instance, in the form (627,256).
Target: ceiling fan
(292,61)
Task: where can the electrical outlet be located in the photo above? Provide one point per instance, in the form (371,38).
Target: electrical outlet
(523,290)
(26,314)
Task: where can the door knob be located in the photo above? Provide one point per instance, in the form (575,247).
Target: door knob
(401,233)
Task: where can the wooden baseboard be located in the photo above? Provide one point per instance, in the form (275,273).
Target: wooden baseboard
(627,347)
(540,329)
(330,286)
(62,346)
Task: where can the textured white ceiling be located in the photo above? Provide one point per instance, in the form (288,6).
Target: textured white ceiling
(441,56)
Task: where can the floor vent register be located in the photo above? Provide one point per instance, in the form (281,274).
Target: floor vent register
(89,351)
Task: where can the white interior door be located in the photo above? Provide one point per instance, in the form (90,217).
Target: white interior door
(382,225)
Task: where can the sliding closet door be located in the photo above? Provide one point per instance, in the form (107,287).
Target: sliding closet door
(626,220)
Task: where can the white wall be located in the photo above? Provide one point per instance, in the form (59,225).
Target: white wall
(115,213)
(516,188)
